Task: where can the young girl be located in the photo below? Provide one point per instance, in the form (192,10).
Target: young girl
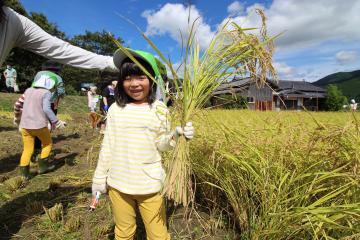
(93,99)
(35,115)
(129,163)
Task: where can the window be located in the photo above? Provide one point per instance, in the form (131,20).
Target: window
(250,99)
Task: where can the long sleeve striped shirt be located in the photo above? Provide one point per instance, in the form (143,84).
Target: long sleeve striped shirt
(130,159)
(18,107)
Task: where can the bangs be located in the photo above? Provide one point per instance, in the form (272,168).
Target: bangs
(129,68)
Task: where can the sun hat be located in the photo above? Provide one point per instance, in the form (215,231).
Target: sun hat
(46,79)
(120,56)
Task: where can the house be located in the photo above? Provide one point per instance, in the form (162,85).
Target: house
(275,95)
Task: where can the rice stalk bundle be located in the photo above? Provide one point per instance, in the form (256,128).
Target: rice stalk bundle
(232,51)
(15,183)
(55,213)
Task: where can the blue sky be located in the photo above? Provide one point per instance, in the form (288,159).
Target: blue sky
(318,37)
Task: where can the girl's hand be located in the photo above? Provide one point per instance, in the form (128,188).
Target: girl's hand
(59,124)
(96,187)
(188,131)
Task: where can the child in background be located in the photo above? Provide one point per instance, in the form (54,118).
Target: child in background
(49,69)
(35,115)
(130,164)
(108,98)
(353,105)
(93,99)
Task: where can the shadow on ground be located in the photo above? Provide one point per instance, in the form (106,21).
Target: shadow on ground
(14,213)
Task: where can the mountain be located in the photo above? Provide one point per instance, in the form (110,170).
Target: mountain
(348,82)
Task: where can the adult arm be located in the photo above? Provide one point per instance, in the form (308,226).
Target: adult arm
(36,40)
(105,101)
(18,106)
(105,95)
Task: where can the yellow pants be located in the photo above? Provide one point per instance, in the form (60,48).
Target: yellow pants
(28,136)
(152,210)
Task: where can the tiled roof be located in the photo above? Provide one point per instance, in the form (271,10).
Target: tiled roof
(297,85)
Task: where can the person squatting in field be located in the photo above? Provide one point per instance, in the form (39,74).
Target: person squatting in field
(33,121)
(93,99)
(49,69)
(130,164)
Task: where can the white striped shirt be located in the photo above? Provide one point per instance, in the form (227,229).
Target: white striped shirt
(129,158)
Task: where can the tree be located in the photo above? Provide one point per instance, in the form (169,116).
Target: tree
(17,6)
(96,42)
(51,28)
(334,99)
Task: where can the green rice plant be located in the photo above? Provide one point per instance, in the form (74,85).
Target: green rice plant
(231,52)
(56,213)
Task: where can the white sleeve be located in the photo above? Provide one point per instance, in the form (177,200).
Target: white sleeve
(36,40)
(164,140)
(103,165)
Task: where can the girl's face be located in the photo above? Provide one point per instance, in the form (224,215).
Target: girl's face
(137,87)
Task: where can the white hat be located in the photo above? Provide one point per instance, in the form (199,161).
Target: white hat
(352,101)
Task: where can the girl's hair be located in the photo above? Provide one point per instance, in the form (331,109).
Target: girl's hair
(129,68)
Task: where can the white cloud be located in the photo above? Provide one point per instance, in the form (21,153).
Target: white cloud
(308,22)
(235,8)
(314,32)
(344,57)
(284,70)
(173,18)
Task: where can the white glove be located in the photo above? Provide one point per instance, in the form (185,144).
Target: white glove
(49,126)
(96,187)
(60,124)
(188,131)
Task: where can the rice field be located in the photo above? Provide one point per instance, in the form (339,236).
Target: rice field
(256,175)
(281,175)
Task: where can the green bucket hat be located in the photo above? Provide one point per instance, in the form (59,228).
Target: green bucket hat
(46,79)
(120,56)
